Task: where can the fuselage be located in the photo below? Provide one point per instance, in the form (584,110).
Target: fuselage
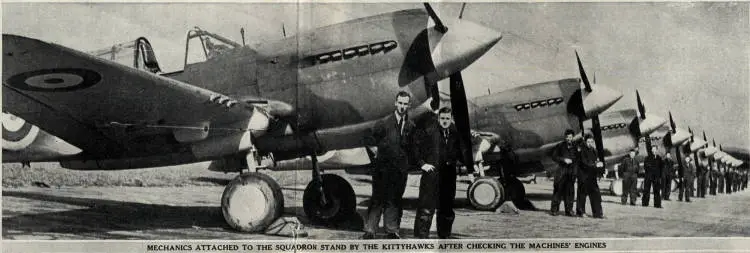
(328,86)
(332,76)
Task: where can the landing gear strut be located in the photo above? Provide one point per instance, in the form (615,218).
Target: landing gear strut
(328,198)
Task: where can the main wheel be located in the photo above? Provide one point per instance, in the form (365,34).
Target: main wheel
(616,187)
(251,202)
(340,201)
(486,194)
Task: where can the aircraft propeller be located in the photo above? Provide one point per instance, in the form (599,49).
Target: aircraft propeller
(459,103)
(678,152)
(642,111)
(595,124)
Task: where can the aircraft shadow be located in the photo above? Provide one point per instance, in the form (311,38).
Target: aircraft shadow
(217,181)
(103,216)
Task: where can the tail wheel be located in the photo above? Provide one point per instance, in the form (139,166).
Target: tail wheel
(486,194)
(340,201)
(616,187)
(251,202)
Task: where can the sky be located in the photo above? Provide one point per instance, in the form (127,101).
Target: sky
(687,58)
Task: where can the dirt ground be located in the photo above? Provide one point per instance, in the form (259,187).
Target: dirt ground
(192,212)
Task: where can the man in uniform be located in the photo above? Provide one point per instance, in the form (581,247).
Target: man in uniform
(728,181)
(669,171)
(687,179)
(653,167)
(715,179)
(702,180)
(438,153)
(589,168)
(566,156)
(629,168)
(395,155)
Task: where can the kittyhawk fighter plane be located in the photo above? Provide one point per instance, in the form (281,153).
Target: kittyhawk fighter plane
(304,95)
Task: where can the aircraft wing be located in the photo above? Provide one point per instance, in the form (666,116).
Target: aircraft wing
(103,107)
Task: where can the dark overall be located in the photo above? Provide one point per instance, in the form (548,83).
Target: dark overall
(394,159)
(653,166)
(437,188)
(563,188)
(587,185)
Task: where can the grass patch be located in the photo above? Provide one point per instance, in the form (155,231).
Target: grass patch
(195,174)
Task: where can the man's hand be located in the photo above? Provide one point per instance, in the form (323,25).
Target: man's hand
(428,167)
(568,161)
(599,164)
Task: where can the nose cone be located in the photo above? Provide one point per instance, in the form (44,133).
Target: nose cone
(680,137)
(729,159)
(458,48)
(650,124)
(709,151)
(599,99)
(719,154)
(697,145)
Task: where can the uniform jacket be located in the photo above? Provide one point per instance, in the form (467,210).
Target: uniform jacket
(689,170)
(653,166)
(587,161)
(395,150)
(629,167)
(433,148)
(570,151)
(669,168)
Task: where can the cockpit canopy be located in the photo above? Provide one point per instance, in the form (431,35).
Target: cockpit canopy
(200,46)
(138,54)
(203,45)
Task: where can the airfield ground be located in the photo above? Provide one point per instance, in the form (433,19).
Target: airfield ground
(183,203)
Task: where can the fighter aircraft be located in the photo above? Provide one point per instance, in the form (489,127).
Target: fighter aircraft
(513,132)
(624,130)
(517,128)
(298,96)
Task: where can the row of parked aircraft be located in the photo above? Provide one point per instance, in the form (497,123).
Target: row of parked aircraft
(302,97)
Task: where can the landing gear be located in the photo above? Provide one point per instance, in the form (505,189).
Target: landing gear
(337,203)
(251,202)
(328,198)
(486,193)
(616,187)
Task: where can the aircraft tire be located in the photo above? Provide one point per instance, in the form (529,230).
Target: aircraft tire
(486,193)
(616,187)
(251,202)
(340,197)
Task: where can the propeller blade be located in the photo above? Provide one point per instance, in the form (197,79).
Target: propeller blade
(438,23)
(704,136)
(597,131)
(672,124)
(461,116)
(593,77)
(583,74)
(432,88)
(714,141)
(641,108)
(461,14)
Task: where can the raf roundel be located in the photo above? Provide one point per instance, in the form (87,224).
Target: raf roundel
(56,80)
(17,133)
